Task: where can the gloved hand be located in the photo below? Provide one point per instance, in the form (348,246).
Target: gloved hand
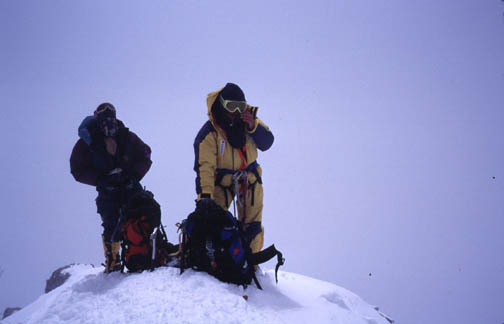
(118,178)
(248,118)
(111,179)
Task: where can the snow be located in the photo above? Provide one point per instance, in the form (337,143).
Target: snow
(165,296)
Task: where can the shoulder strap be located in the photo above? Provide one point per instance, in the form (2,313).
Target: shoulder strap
(266,255)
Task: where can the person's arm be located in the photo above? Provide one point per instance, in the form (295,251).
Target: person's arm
(205,161)
(81,165)
(142,157)
(262,135)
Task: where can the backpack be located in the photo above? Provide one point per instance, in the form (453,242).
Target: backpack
(144,243)
(212,241)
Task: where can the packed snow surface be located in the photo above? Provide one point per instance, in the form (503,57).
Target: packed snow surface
(165,296)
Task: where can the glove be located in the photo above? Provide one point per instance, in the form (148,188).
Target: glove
(118,178)
(110,180)
(248,117)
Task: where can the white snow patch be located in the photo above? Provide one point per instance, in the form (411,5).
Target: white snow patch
(165,296)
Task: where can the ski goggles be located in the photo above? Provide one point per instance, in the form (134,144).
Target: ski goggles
(233,105)
(105,110)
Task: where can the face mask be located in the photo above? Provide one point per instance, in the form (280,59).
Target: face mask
(232,125)
(109,127)
(236,122)
(236,133)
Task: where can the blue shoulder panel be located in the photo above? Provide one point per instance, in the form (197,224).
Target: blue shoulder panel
(262,137)
(84,132)
(204,131)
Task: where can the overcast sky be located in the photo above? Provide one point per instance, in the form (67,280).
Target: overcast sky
(386,176)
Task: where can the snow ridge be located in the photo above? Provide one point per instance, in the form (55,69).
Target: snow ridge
(165,296)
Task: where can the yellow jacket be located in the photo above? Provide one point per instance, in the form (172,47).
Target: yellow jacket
(213,153)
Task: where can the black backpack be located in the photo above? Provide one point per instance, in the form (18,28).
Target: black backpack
(214,242)
(144,242)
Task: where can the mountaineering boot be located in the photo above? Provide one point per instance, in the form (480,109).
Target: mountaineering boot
(112,258)
(116,262)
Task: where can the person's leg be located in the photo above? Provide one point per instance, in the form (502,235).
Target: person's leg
(219,196)
(253,217)
(108,208)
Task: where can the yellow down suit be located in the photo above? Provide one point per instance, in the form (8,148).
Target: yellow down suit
(215,163)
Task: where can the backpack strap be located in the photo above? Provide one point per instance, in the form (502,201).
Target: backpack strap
(258,285)
(266,255)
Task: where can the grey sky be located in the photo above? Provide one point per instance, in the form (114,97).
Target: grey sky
(387,118)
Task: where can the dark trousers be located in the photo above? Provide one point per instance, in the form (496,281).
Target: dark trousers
(109,204)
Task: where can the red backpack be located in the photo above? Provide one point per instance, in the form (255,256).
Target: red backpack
(144,242)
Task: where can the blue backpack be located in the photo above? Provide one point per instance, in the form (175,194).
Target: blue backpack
(214,242)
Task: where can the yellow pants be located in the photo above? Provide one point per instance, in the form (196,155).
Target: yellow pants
(253,212)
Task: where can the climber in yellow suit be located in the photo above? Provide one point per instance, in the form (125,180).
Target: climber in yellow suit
(226,159)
